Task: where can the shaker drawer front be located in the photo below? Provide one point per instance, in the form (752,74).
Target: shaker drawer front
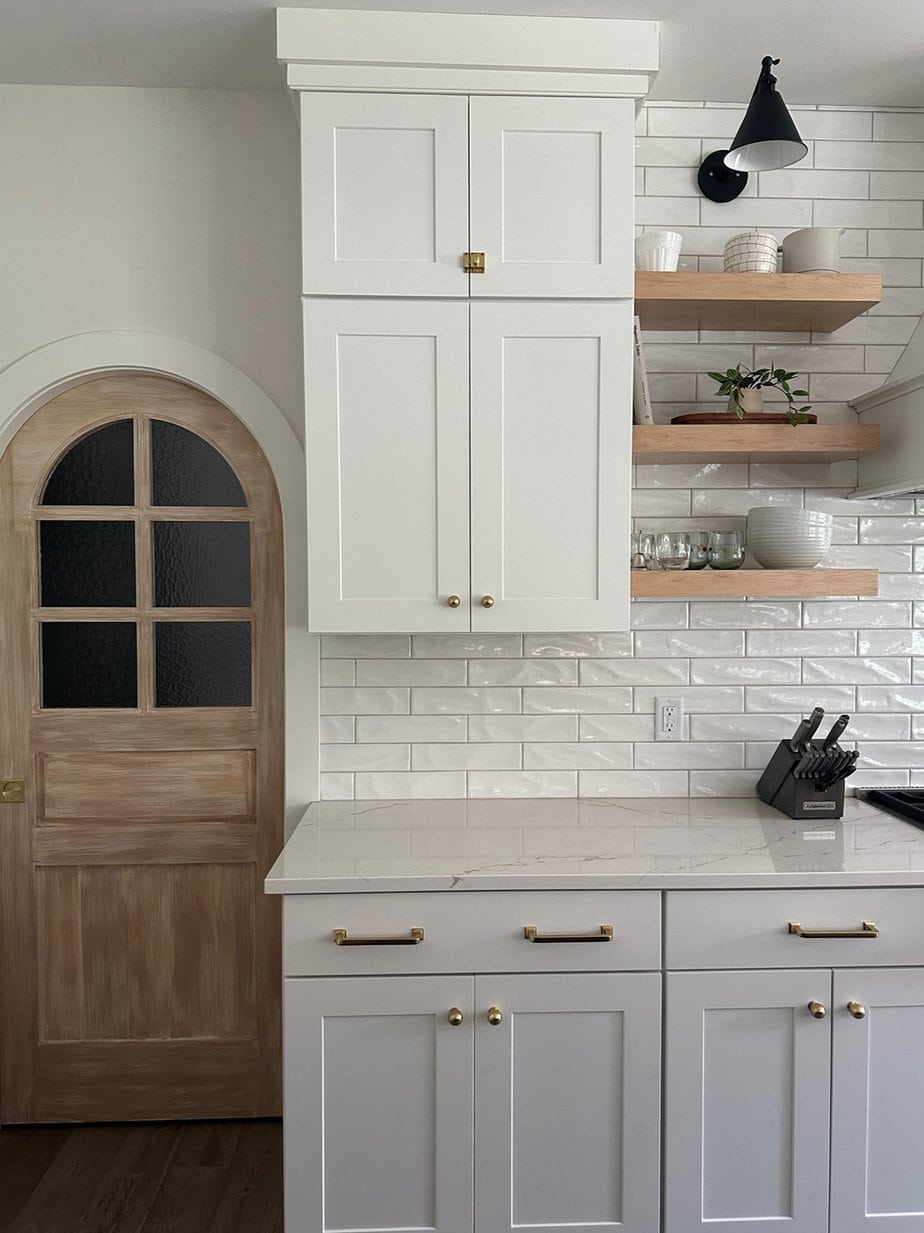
(472,932)
(751,929)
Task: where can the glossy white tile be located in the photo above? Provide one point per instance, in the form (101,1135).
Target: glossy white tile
(337,729)
(855,614)
(473,701)
(668,672)
(802,698)
(740,614)
(577,701)
(409,785)
(633,783)
(894,671)
(365,701)
(523,672)
(365,757)
(367,646)
(689,643)
(471,756)
(563,646)
(617,727)
(659,614)
(522,783)
(410,672)
(411,728)
(338,672)
(749,671)
(723,783)
(773,727)
(336,787)
(578,756)
(689,755)
(890,698)
(466,646)
(801,642)
(523,727)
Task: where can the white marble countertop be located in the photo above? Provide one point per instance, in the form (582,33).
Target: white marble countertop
(598,844)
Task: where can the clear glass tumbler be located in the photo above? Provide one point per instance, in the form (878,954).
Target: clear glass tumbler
(699,549)
(673,549)
(726,549)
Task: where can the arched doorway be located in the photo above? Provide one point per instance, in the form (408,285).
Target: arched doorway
(142,653)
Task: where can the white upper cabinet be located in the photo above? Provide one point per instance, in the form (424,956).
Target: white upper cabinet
(552,196)
(550,482)
(396,189)
(384,194)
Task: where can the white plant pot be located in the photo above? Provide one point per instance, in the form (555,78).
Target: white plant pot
(752,402)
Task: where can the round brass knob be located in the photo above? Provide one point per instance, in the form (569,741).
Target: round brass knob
(453,601)
(857,1009)
(455,1016)
(494,1016)
(487,601)
(816,1010)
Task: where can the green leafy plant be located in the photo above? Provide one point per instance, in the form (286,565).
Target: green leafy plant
(739,378)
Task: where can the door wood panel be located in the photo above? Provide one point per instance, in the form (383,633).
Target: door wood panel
(140,959)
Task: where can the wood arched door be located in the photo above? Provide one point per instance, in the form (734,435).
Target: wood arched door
(142,624)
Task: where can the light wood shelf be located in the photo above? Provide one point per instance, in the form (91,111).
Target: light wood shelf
(737,583)
(686,300)
(736,442)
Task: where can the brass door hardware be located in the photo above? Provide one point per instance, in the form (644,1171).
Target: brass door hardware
(454,601)
(487,601)
(866,930)
(531,933)
(494,1016)
(455,1016)
(415,937)
(473,263)
(816,1010)
(12,791)
(857,1009)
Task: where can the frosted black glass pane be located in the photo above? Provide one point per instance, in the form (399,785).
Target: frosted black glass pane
(89,663)
(98,470)
(202,663)
(87,564)
(201,564)
(188,471)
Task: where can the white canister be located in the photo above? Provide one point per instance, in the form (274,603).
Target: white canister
(751,252)
(812,250)
(658,250)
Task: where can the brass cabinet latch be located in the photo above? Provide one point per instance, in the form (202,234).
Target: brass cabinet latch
(12,791)
(473,263)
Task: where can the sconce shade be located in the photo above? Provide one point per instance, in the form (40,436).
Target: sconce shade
(767,138)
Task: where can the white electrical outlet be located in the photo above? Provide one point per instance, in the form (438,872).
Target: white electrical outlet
(668,719)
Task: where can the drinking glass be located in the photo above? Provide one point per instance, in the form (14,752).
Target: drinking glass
(673,549)
(647,547)
(699,549)
(726,549)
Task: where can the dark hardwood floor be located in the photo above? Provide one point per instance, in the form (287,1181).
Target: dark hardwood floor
(157,1177)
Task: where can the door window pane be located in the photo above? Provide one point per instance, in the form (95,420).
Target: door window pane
(202,663)
(89,663)
(201,564)
(185,470)
(98,470)
(87,564)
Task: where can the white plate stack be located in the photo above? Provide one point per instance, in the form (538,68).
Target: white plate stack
(780,538)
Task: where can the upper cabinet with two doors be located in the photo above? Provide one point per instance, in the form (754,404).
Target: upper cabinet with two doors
(468,274)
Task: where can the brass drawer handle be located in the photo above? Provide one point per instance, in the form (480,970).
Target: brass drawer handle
(816,1009)
(857,1009)
(455,1016)
(532,934)
(866,930)
(415,937)
(494,1016)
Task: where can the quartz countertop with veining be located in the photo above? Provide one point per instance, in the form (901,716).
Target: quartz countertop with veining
(348,846)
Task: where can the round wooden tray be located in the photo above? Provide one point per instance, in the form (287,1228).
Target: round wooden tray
(729,417)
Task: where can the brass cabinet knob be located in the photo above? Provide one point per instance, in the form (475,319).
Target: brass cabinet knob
(487,601)
(857,1009)
(494,1016)
(13,791)
(454,601)
(816,1010)
(455,1016)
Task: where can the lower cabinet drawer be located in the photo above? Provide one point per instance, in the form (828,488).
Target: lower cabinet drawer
(793,928)
(472,931)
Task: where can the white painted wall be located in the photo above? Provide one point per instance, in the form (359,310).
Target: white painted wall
(170,211)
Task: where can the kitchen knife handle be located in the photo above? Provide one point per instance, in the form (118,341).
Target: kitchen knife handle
(815,721)
(805,729)
(837,729)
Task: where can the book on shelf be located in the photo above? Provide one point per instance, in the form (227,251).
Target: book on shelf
(641,395)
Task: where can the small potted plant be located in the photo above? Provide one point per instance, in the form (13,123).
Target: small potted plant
(744,388)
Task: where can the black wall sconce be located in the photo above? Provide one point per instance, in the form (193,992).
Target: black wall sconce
(767,139)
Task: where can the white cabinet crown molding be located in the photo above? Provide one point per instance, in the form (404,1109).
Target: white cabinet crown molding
(361,49)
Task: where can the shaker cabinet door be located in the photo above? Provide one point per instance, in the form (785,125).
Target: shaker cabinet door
(747,1102)
(553,196)
(877,1177)
(567,1103)
(378,1106)
(551,454)
(384,194)
(387,449)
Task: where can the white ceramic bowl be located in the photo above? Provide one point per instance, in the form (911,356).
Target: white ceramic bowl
(780,538)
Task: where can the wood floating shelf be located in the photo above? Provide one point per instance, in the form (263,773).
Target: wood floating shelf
(685,300)
(738,583)
(737,442)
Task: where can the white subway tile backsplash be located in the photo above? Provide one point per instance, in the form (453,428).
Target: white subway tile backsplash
(523,727)
(563,646)
(602,701)
(550,715)
(523,671)
(746,671)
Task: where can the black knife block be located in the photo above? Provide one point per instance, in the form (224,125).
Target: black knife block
(798,798)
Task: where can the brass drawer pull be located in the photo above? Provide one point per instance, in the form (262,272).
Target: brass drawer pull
(857,1009)
(816,1009)
(532,934)
(866,930)
(415,937)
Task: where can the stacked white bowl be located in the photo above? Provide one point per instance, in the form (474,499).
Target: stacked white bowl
(781,538)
